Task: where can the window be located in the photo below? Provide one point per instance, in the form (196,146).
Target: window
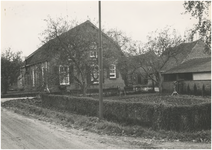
(112,71)
(44,71)
(64,75)
(93,46)
(93,50)
(93,54)
(95,74)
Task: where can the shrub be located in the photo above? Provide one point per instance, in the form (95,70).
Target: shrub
(156,116)
(19,95)
(188,89)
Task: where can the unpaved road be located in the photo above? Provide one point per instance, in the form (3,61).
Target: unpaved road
(20,132)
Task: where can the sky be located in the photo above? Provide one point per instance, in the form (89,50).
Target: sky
(22,22)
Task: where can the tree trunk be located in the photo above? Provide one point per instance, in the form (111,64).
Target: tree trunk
(84,89)
(153,85)
(160,83)
(5,86)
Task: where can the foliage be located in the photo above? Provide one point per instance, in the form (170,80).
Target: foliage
(130,65)
(167,100)
(74,47)
(128,46)
(160,40)
(10,68)
(200,11)
(158,51)
(20,94)
(55,28)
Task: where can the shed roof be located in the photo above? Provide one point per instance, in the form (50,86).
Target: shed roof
(184,52)
(192,66)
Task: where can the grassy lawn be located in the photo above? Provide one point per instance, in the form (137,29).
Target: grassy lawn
(161,99)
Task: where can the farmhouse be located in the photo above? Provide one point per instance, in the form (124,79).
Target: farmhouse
(70,62)
(191,68)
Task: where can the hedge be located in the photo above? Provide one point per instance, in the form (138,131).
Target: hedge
(11,95)
(155,116)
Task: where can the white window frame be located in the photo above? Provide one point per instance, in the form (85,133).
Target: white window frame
(112,71)
(65,80)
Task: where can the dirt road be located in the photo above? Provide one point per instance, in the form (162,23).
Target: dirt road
(20,132)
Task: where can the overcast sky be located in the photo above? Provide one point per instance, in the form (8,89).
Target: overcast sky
(22,22)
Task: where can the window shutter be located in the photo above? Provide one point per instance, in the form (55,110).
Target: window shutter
(56,75)
(108,72)
(45,75)
(71,74)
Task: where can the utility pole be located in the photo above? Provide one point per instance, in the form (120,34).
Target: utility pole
(100,67)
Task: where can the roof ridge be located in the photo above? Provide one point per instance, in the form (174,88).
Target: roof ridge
(88,21)
(86,24)
(186,60)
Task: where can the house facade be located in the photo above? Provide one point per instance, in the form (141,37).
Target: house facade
(70,62)
(189,71)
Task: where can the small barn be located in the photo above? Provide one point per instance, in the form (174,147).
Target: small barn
(192,76)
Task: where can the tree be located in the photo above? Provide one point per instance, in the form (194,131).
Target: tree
(158,52)
(129,48)
(73,48)
(10,68)
(200,11)
(147,59)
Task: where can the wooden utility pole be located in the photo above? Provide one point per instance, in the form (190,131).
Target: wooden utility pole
(100,67)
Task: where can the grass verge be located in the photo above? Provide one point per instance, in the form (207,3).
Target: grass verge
(33,109)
